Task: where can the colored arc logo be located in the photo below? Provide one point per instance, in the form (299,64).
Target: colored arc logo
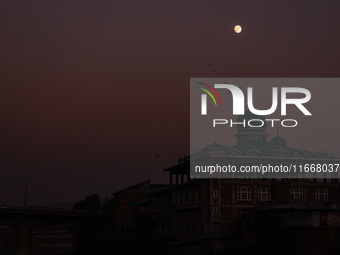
(209,93)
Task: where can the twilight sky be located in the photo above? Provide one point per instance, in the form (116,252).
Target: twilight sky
(90,91)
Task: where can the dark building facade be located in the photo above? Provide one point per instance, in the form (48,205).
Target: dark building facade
(235,216)
(209,214)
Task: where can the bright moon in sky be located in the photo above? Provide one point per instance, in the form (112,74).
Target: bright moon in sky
(238,29)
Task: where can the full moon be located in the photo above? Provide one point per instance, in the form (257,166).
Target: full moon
(237,29)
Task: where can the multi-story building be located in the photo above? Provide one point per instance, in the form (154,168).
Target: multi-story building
(208,212)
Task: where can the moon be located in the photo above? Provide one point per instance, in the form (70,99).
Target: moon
(238,29)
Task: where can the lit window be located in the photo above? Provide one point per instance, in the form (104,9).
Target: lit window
(243,193)
(321,194)
(297,194)
(264,194)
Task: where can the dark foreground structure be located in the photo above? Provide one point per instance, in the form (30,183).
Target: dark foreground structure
(213,216)
(235,216)
(26,230)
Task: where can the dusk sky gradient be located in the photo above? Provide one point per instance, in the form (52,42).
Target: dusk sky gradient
(90,91)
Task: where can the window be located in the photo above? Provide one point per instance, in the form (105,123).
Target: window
(264,194)
(321,194)
(300,154)
(174,198)
(215,209)
(243,193)
(252,152)
(196,196)
(190,198)
(161,228)
(215,193)
(244,215)
(235,152)
(297,194)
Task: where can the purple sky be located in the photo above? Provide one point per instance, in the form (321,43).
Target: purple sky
(91,91)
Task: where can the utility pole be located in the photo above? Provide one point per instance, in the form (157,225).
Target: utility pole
(25,200)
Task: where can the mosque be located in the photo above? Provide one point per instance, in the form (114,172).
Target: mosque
(253,142)
(209,209)
(219,215)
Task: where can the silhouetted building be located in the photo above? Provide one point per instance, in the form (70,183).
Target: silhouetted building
(218,216)
(208,213)
(127,200)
